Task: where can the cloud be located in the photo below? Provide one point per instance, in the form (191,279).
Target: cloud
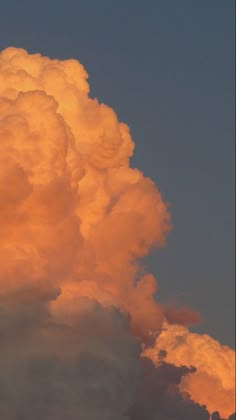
(76,305)
(213,383)
(181,315)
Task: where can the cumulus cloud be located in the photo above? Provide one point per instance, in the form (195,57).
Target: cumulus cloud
(75,303)
(73,226)
(213,383)
(76,203)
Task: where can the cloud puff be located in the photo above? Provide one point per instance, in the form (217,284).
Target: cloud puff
(213,383)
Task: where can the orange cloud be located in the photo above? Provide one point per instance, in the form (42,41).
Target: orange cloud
(213,383)
(75,221)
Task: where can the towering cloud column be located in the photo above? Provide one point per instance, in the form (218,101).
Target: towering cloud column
(76,306)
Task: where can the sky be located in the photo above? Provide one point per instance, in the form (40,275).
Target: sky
(167,68)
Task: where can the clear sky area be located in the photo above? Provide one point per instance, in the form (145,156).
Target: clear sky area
(167,69)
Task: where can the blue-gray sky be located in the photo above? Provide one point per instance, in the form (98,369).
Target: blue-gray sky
(167,68)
